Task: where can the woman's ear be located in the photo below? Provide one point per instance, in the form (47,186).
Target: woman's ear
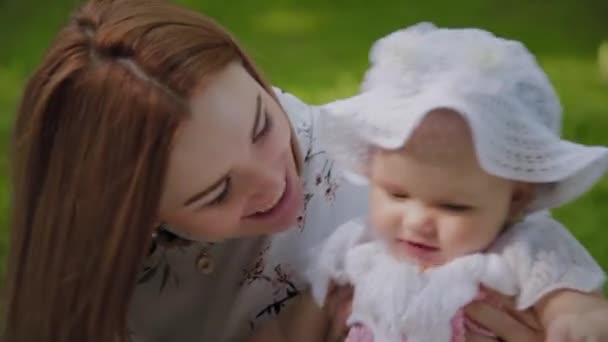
(523,194)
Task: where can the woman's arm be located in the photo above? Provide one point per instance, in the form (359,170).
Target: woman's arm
(571,315)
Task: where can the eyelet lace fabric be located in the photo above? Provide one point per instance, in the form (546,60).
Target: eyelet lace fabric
(394,301)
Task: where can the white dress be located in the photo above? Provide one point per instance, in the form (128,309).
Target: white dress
(395,301)
(252,279)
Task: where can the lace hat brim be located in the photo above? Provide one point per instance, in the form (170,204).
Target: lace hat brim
(507,145)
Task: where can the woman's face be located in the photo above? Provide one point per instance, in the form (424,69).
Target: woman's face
(232,171)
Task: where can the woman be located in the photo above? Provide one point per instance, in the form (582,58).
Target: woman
(145,118)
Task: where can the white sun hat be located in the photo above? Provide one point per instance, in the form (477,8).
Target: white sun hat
(495,84)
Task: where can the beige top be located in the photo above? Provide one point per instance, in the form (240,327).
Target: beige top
(249,280)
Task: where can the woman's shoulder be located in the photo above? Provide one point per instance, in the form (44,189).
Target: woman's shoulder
(297,110)
(330,198)
(301,116)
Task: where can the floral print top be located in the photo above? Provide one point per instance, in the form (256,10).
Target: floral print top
(245,281)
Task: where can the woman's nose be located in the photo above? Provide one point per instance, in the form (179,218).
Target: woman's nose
(265,187)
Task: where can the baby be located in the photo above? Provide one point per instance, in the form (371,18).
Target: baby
(457,133)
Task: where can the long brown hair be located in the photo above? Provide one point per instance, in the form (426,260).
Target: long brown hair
(92,140)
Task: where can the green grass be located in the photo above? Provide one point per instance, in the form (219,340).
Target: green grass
(318,49)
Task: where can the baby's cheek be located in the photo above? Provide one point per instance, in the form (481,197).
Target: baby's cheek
(464,237)
(379,217)
(384,218)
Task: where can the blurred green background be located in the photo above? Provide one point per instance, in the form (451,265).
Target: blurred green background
(318,50)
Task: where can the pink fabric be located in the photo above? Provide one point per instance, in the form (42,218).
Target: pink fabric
(359,333)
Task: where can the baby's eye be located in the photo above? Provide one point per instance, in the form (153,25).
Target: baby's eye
(454,207)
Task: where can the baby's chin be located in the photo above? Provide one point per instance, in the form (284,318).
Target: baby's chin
(424,265)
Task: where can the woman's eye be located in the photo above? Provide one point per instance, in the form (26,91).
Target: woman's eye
(263,127)
(221,197)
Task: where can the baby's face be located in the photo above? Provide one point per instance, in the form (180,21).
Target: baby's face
(430,200)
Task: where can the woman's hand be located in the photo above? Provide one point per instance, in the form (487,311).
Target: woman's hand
(338,306)
(503,320)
